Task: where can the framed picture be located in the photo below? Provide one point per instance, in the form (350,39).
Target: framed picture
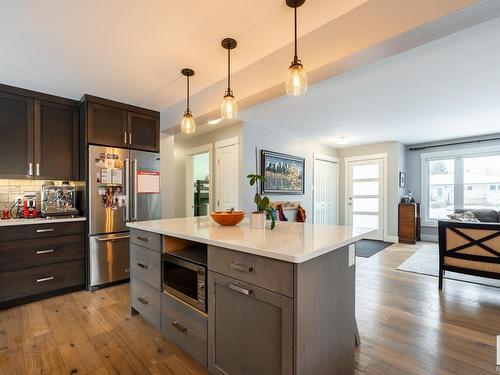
(284,173)
(402,179)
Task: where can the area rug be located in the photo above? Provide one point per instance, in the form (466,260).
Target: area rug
(368,248)
(426,262)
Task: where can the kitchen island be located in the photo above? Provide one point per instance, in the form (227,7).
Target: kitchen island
(277,302)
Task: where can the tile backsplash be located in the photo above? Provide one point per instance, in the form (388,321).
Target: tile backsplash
(10,189)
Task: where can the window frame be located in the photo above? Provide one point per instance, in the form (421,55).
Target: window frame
(458,156)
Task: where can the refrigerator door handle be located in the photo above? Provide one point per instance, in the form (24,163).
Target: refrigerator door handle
(134,183)
(127,190)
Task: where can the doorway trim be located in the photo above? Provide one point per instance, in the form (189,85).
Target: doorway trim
(348,159)
(331,159)
(189,175)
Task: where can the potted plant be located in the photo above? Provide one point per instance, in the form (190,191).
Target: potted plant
(258,218)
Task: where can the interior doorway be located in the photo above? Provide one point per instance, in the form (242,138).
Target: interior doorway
(227,174)
(198,181)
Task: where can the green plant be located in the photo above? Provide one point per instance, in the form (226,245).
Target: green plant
(263,204)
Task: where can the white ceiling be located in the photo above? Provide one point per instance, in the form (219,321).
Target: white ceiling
(446,89)
(133,51)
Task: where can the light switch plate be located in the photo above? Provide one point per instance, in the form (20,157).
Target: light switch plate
(352,254)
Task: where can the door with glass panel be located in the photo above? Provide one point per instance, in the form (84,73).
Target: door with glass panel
(365,195)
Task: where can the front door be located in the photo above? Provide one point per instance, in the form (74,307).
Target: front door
(366,195)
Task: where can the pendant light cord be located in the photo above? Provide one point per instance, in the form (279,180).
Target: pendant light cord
(187,100)
(228,70)
(296,58)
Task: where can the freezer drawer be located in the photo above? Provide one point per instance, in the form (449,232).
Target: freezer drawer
(109,258)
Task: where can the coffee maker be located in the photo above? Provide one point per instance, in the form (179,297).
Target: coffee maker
(29,205)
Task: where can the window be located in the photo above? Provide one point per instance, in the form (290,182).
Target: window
(453,180)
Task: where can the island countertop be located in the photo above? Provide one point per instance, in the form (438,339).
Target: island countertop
(289,241)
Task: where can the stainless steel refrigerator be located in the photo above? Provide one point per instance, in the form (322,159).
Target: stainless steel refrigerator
(124,185)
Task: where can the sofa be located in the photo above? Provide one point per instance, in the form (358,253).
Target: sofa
(470,247)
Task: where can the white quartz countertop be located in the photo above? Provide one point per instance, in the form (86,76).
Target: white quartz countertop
(40,220)
(289,241)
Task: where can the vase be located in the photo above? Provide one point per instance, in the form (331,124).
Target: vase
(258,220)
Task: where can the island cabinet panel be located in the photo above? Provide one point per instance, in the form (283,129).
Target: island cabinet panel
(271,274)
(250,329)
(184,326)
(146,301)
(145,265)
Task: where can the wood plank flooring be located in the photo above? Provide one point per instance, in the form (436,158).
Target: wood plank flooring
(406,327)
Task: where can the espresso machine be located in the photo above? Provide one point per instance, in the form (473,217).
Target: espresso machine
(58,200)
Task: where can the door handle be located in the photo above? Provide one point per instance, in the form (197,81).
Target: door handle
(45,251)
(44,279)
(113,238)
(145,266)
(134,177)
(45,230)
(142,300)
(127,190)
(30,169)
(125,137)
(240,267)
(38,169)
(238,289)
(130,138)
(179,327)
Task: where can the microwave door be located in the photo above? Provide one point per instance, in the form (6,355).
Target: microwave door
(145,198)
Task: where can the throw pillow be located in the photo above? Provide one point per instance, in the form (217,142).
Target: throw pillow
(464,216)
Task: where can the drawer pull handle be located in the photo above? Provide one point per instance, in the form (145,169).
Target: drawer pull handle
(179,327)
(44,251)
(142,300)
(113,238)
(45,230)
(240,267)
(145,266)
(238,289)
(144,239)
(45,279)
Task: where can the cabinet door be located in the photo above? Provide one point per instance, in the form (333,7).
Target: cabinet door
(56,141)
(250,329)
(106,126)
(144,132)
(16,128)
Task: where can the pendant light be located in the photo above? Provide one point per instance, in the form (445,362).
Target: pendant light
(229,108)
(296,81)
(187,124)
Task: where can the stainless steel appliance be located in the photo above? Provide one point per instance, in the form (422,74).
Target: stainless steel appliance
(201,198)
(185,275)
(123,186)
(58,200)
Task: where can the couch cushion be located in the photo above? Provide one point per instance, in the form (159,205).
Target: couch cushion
(484,215)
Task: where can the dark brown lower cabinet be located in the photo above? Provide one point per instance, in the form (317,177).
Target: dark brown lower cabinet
(250,330)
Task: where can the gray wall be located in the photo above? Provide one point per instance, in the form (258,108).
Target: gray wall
(265,139)
(395,163)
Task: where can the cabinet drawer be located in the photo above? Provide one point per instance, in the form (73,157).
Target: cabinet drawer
(146,300)
(37,280)
(35,231)
(145,265)
(31,253)
(185,327)
(146,239)
(267,273)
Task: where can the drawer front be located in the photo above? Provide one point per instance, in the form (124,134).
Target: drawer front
(146,300)
(145,265)
(267,273)
(31,253)
(37,280)
(35,231)
(185,327)
(146,239)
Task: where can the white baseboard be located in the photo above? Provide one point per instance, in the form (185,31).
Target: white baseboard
(429,237)
(393,239)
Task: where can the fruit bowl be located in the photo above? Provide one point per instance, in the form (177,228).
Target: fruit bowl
(227,218)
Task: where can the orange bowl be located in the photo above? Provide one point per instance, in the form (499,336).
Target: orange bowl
(227,218)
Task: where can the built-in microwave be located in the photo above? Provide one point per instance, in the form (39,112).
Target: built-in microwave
(184,275)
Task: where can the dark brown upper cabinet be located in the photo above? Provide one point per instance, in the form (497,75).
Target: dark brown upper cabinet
(41,138)
(143,132)
(56,141)
(16,127)
(115,124)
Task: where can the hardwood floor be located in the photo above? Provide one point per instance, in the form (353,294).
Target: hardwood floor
(406,327)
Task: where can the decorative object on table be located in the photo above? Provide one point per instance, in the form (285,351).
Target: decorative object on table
(402,179)
(411,197)
(281,214)
(258,218)
(284,174)
(227,218)
(301,214)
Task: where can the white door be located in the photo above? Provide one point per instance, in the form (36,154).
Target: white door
(325,191)
(226,176)
(366,195)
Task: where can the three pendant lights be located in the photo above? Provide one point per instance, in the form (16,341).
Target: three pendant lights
(296,82)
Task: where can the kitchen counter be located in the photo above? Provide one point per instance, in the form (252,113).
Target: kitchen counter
(10,222)
(289,241)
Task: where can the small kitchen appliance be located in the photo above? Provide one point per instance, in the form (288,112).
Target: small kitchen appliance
(29,206)
(58,200)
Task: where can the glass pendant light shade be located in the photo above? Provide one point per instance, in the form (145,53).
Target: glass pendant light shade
(296,81)
(188,125)
(229,108)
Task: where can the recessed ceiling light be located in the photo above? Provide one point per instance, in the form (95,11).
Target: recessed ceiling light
(343,140)
(214,122)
